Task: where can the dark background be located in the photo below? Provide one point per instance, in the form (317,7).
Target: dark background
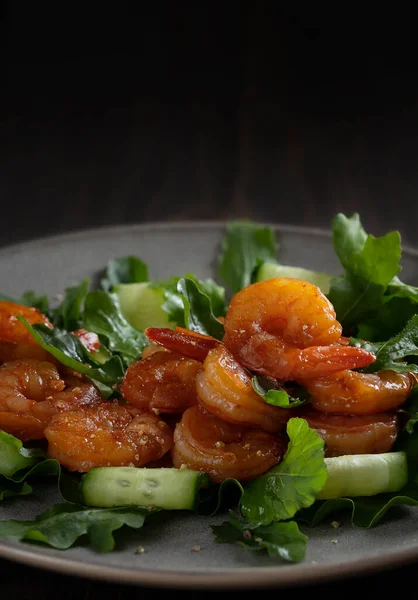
(204,111)
(186,112)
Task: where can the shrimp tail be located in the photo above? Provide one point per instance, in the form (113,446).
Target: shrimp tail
(296,364)
(182,341)
(336,359)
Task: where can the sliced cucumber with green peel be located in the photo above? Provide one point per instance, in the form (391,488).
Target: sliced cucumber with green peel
(364,475)
(11,460)
(141,305)
(166,488)
(270,270)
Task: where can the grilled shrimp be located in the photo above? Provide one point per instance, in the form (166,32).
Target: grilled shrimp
(182,341)
(354,434)
(352,392)
(205,443)
(78,393)
(224,389)
(108,434)
(162,382)
(24,383)
(17,343)
(287,329)
(12,329)
(15,340)
(32,391)
(18,350)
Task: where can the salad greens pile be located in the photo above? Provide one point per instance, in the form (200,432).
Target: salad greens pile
(378,312)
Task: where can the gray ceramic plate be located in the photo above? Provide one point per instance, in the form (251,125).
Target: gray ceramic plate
(52,264)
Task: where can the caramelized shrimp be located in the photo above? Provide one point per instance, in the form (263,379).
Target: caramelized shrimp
(351,392)
(32,391)
(162,382)
(77,394)
(354,434)
(24,383)
(205,443)
(15,340)
(13,330)
(17,343)
(287,329)
(17,350)
(182,341)
(224,389)
(107,435)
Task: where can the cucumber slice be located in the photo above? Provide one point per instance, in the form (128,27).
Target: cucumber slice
(11,460)
(141,305)
(271,270)
(364,475)
(166,488)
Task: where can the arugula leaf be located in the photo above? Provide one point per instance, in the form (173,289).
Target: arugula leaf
(30,298)
(293,483)
(370,264)
(349,238)
(365,511)
(17,485)
(18,464)
(363,255)
(8,489)
(278,397)
(68,315)
(398,305)
(371,301)
(44,468)
(69,351)
(102,315)
(243,247)
(401,304)
(279,539)
(13,457)
(389,353)
(198,314)
(173,302)
(213,291)
(214,497)
(61,526)
(398,289)
(411,408)
(125,269)
(387,320)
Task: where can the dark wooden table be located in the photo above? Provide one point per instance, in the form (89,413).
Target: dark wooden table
(212,115)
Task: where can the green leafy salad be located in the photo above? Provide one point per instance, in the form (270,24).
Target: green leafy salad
(378,312)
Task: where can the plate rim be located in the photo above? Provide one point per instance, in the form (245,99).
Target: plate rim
(263,577)
(277,576)
(178,225)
